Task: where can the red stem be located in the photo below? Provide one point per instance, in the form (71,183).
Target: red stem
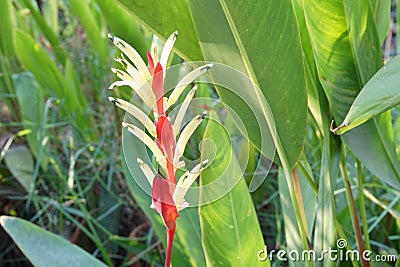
(170,238)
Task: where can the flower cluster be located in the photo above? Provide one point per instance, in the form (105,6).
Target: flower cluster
(166,140)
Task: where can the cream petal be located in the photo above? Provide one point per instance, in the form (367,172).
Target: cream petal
(148,142)
(185,135)
(183,206)
(132,54)
(136,75)
(182,110)
(186,80)
(147,171)
(185,182)
(122,75)
(147,98)
(167,49)
(137,113)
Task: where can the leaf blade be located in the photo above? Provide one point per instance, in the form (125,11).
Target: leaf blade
(230,231)
(35,242)
(342,77)
(162,18)
(379,95)
(240,43)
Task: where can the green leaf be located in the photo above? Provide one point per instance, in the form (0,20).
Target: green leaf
(51,14)
(163,18)
(6,29)
(35,59)
(230,231)
(380,94)
(293,240)
(47,31)
(19,161)
(229,32)
(345,62)
(31,105)
(96,37)
(44,248)
(189,235)
(381,11)
(122,24)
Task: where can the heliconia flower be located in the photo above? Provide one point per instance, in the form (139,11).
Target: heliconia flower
(140,77)
(165,139)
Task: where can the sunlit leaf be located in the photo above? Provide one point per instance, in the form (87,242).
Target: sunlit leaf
(44,248)
(380,94)
(230,231)
(342,76)
(163,18)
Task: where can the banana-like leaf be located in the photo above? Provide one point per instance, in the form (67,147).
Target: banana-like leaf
(347,55)
(227,35)
(229,227)
(230,33)
(163,18)
(380,94)
(247,36)
(325,229)
(44,248)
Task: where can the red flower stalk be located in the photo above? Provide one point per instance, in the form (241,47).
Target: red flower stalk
(148,82)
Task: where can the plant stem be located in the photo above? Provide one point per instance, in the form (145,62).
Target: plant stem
(299,198)
(352,209)
(170,239)
(362,205)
